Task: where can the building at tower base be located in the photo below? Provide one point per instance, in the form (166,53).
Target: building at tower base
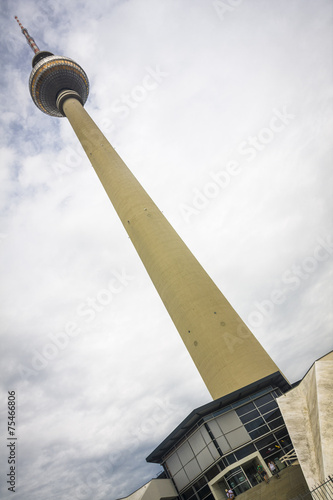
(221,444)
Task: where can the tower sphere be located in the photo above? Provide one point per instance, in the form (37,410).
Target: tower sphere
(53,74)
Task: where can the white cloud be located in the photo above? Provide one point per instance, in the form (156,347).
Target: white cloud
(95,385)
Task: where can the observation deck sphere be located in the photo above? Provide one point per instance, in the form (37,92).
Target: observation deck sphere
(50,76)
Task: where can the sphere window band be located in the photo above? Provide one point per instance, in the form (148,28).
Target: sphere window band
(52,75)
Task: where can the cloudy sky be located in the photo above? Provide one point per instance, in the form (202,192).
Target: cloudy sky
(223,111)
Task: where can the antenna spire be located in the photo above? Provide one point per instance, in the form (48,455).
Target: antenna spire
(29,38)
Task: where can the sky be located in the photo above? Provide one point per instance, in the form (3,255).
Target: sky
(223,111)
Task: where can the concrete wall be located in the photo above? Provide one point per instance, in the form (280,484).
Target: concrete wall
(308,413)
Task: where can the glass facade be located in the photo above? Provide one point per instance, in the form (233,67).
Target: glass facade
(250,427)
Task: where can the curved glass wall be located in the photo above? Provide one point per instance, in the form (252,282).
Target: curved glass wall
(253,425)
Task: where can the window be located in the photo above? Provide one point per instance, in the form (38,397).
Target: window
(186,495)
(231,459)
(272,415)
(243,452)
(281,433)
(270,450)
(249,416)
(222,464)
(268,406)
(276,423)
(285,441)
(265,442)
(200,484)
(254,424)
(204,492)
(259,432)
(245,409)
(212,472)
(264,399)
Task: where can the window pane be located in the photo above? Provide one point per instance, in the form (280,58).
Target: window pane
(231,459)
(250,416)
(247,450)
(272,415)
(265,442)
(187,494)
(204,492)
(254,424)
(259,432)
(200,484)
(264,399)
(222,464)
(285,441)
(212,472)
(282,432)
(276,423)
(245,409)
(268,406)
(268,450)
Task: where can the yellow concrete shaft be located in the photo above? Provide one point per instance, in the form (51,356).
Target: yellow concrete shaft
(225,352)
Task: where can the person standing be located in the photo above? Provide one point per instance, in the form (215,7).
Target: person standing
(230,493)
(263,473)
(273,469)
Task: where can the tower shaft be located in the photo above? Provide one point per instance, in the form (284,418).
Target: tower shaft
(226,354)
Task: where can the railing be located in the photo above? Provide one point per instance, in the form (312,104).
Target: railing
(322,492)
(289,457)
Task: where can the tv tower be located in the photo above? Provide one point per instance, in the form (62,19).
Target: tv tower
(225,352)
